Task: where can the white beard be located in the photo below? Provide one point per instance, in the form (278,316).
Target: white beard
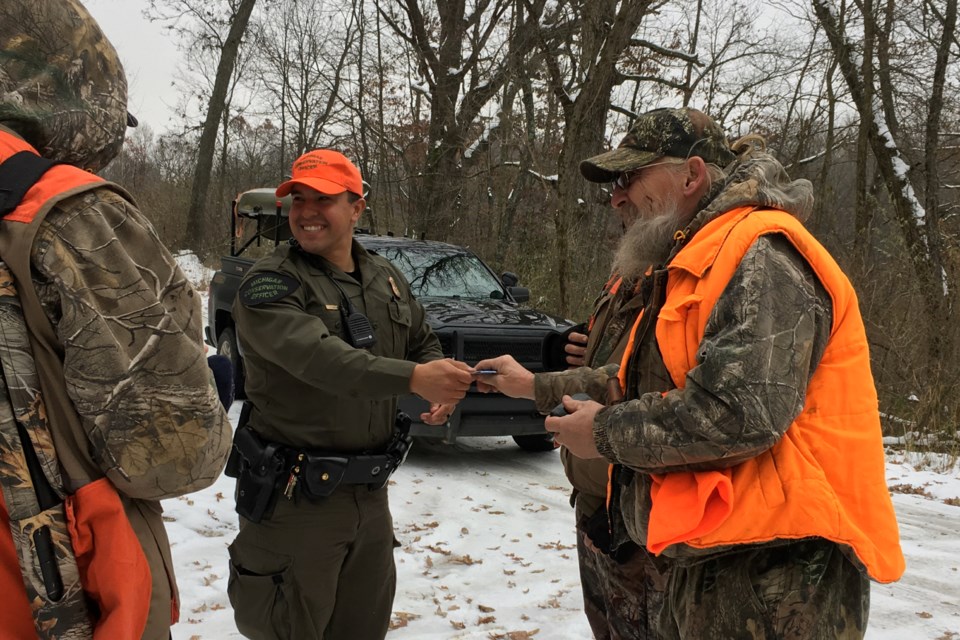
(648,240)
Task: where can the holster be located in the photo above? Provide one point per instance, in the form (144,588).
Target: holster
(398,448)
(259,469)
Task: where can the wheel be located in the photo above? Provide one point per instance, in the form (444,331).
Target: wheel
(227,346)
(535,442)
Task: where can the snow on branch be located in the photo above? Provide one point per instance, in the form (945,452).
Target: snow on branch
(667,51)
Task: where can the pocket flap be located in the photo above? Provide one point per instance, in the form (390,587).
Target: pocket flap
(322,474)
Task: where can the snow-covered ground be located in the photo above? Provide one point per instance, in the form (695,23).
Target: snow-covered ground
(488,548)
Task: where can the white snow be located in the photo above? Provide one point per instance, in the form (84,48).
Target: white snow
(487,548)
(488,128)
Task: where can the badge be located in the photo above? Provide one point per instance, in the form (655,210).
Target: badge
(267,287)
(393,285)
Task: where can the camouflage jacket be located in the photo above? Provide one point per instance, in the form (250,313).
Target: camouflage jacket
(128,323)
(115,331)
(765,336)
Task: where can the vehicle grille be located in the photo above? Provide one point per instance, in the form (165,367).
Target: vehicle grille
(527,351)
(447,344)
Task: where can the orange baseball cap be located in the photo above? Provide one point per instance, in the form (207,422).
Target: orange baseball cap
(325,170)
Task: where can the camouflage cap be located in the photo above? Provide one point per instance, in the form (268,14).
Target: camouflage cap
(680,133)
(62,86)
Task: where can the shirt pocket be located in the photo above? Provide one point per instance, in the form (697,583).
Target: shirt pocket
(401,318)
(400,313)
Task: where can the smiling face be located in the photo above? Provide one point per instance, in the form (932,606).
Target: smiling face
(323,224)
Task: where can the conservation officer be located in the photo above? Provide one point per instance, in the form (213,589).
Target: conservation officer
(331,335)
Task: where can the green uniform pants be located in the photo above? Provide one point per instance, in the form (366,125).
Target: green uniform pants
(320,570)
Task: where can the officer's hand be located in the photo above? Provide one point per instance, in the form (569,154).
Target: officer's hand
(575,348)
(510,377)
(441,381)
(438,414)
(575,430)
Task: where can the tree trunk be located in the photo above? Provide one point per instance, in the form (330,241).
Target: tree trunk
(864,202)
(606,32)
(910,214)
(196,218)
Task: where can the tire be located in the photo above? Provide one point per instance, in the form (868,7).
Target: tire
(537,442)
(227,346)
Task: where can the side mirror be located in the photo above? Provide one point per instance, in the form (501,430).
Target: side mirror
(520,294)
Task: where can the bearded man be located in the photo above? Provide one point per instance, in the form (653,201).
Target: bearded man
(732,404)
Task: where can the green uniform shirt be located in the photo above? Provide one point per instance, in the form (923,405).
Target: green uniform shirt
(308,385)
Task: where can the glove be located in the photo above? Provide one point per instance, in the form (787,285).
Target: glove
(222,370)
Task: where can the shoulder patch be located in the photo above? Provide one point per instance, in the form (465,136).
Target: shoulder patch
(267,287)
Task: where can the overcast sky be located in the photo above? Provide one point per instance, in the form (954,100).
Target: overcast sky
(148,54)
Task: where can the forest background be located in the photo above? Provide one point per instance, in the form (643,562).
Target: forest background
(468,119)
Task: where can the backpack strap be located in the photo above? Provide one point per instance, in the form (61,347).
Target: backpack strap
(18,173)
(32,486)
(29,474)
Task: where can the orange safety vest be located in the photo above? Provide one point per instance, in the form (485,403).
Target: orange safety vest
(825,476)
(113,568)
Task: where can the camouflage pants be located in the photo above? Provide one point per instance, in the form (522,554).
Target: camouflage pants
(621,601)
(805,590)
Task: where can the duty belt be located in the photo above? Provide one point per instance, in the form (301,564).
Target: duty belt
(265,470)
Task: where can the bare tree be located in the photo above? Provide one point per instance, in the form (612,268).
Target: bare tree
(464,57)
(236,23)
(920,230)
(307,48)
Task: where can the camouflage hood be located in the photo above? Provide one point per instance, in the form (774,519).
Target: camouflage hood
(61,83)
(756,179)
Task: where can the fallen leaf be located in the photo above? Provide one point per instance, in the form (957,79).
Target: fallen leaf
(910,490)
(401,619)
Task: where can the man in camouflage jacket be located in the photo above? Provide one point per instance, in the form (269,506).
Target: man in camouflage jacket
(116,336)
(752,376)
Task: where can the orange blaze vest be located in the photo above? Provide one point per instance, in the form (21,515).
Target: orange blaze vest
(825,476)
(113,568)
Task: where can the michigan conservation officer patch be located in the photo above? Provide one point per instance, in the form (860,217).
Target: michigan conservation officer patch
(267,287)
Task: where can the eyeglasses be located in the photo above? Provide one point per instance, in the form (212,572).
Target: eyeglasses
(625,179)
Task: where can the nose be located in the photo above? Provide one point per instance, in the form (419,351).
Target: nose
(619,197)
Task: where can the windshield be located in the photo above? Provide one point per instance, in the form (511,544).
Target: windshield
(443,272)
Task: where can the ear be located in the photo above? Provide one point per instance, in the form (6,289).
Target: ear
(696,177)
(358,208)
